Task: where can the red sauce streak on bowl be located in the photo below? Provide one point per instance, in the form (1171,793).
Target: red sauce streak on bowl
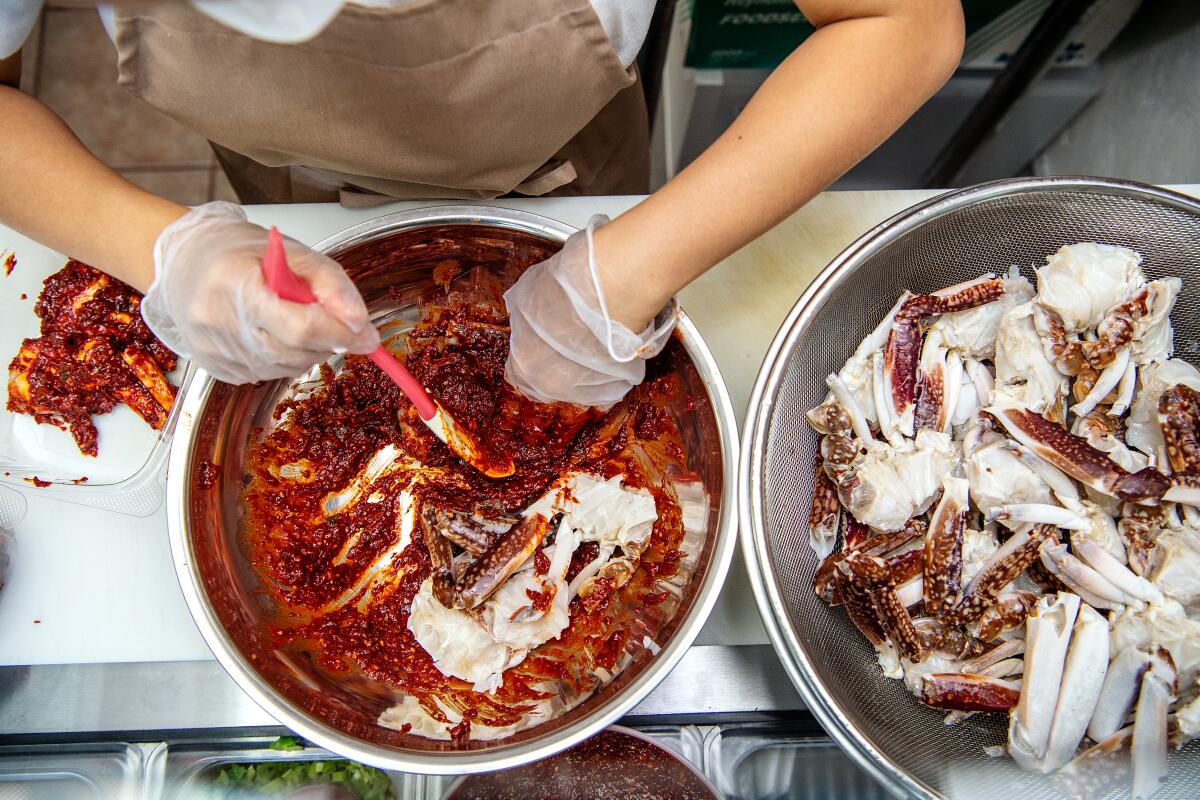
(94,353)
(10,263)
(207,474)
(337,606)
(38,482)
(609,766)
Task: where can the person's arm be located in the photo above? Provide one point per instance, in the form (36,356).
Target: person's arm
(58,193)
(869,65)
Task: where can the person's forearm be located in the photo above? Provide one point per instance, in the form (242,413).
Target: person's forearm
(58,193)
(835,99)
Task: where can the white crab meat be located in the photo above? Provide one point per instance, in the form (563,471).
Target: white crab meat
(479,647)
(1175,565)
(1081,282)
(600,510)
(888,485)
(1118,693)
(1142,428)
(972,333)
(977,548)
(1153,337)
(998,478)
(1024,376)
(1149,750)
(1163,623)
(1100,529)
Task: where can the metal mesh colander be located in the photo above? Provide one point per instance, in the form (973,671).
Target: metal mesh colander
(939,243)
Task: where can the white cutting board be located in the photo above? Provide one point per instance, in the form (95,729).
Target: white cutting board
(102,584)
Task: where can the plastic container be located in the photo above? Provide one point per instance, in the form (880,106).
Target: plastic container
(128,474)
(183,771)
(71,772)
(778,761)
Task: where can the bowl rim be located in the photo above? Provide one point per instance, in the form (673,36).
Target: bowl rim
(768,593)
(451,762)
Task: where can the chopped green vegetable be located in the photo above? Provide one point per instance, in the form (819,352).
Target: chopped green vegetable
(274,779)
(288,743)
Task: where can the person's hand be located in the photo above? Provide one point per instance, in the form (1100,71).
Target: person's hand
(209,302)
(565,345)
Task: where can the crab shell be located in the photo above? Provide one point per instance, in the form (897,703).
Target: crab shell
(494,566)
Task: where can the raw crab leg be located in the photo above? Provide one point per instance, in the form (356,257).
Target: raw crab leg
(873,572)
(1125,390)
(859,606)
(825,515)
(903,348)
(1090,585)
(966,692)
(1009,611)
(1074,456)
(1087,662)
(1048,632)
(1118,693)
(1001,652)
(823,583)
(1062,486)
(507,553)
(1010,560)
(1043,513)
(1117,573)
(943,547)
(938,384)
(1098,770)
(1108,380)
(845,399)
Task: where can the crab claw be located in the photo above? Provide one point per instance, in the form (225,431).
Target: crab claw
(441,558)
(1087,663)
(966,692)
(1118,693)
(1048,631)
(1010,560)
(1179,418)
(874,573)
(943,547)
(494,566)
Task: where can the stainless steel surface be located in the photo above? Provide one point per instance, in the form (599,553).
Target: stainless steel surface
(179,697)
(938,243)
(71,772)
(215,424)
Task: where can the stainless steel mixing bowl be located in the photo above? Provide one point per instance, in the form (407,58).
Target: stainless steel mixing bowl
(948,239)
(392,259)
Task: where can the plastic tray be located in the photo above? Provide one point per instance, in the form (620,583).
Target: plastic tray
(71,772)
(128,474)
(773,762)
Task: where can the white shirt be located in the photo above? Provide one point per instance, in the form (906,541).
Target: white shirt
(288,21)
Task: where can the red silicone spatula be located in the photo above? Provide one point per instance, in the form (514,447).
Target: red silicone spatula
(290,286)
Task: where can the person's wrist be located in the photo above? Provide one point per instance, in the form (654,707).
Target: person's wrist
(630,289)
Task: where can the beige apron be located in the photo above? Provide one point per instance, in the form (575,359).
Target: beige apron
(468,99)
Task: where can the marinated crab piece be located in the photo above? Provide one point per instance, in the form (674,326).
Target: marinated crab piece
(472,533)
(1081,282)
(1047,634)
(943,547)
(903,347)
(1117,695)
(150,375)
(972,333)
(1024,375)
(387,461)
(1083,677)
(966,692)
(884,486)
(486,573)
(1149,748)
(1179,418)
(441,558)
(1010,560)
(825,516)
(857,373)
(1143,428)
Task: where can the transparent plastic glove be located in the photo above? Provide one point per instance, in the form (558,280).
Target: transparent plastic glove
(209,303)
(564,346)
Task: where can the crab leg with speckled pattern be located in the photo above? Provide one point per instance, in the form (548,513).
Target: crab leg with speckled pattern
(494,566)
(943,547)
(875,576)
